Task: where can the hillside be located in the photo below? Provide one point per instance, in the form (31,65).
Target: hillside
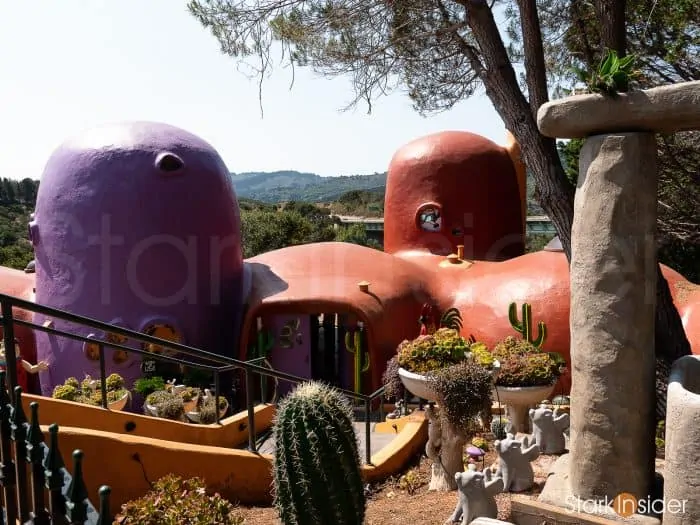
(349,195)
(281,186)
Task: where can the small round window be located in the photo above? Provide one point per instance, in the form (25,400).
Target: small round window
(429,218)
(161,331)
(119,356)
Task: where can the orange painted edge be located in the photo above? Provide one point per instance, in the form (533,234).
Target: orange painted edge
(231,432)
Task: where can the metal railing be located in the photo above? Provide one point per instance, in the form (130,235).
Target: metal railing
(221,364)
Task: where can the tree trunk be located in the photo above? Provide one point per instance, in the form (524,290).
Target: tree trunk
(445,448)
(556,193)
(535,69)
(611,14)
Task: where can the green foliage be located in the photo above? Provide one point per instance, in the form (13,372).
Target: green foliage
(147,385)
(570,151)
(463,390)
(66,392)
(174,501)
(114,382)
(433,351)
(612,76)
(660,436)
(523,364)
(360,203)
(481,355)
(317,477)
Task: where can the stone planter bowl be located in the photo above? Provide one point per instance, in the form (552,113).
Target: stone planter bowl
(120,403)
(417,384)
(518,400)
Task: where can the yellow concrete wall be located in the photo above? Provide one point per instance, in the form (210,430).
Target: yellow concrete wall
(129,463)
(231,432)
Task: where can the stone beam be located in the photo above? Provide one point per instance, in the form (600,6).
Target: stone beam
(665,109)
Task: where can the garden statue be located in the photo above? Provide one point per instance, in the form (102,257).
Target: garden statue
(514,462)
(548,427)
(444,449)
(24,367)
(476,496)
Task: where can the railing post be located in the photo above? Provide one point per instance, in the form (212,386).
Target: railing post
(105,516)
(368,432)
(103,378)
(77,492)
(35,456)
(251,409)
(7,470)
(8,331)
(217,391)
(19,436)
(53,471)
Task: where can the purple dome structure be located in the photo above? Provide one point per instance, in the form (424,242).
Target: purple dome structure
(137,224)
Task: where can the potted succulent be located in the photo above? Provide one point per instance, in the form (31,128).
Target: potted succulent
(89,392)
(166,405)
(428,353)
(527,376)
(205,412)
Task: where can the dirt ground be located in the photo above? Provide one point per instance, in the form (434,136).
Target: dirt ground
(406,500)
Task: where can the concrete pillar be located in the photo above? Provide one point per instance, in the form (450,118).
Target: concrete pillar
(613,282)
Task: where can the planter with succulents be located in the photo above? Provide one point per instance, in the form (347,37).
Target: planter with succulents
(89,392)
(419,357)
(166,400)
(205,411)
(527,377)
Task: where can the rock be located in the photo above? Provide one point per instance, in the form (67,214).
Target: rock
(681,471)
(663,109)
(514,457)
(612,318)
(548,428)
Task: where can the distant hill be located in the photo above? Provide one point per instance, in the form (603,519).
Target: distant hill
(281,186)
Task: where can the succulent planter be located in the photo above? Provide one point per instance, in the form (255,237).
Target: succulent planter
(119,404)
(419,386)
(194,416)
(518,400)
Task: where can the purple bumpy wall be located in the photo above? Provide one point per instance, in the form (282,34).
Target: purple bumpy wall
(137,223)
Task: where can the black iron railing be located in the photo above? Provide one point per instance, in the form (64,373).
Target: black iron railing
(182,355)
(28,468)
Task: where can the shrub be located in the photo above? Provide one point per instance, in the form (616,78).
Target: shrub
(148,385)
(481,355)
(393,387)
(72,381)
(432,352)
(66,392)
(464,391)
(523,364)
(174,501)
(114,382)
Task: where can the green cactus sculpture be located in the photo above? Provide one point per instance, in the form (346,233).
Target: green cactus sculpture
(316,467)
(525,327)
(263,345)
(353,344)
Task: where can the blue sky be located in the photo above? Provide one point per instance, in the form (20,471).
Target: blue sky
(71,64)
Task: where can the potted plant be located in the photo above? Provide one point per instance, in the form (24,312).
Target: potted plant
(166,405)
(89,392)
(527,376)
(147,385)
(205,412)
(431,352)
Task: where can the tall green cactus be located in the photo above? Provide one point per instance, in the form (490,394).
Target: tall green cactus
(525,327)
(317,477)
(353,344)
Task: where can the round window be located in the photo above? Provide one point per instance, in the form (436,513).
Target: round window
(161,331)
(429,218)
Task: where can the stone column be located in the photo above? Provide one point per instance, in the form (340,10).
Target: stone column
(613,281)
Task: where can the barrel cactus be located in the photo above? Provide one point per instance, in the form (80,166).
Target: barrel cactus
(316,465)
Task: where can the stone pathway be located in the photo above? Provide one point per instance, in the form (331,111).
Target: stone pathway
(378,440)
